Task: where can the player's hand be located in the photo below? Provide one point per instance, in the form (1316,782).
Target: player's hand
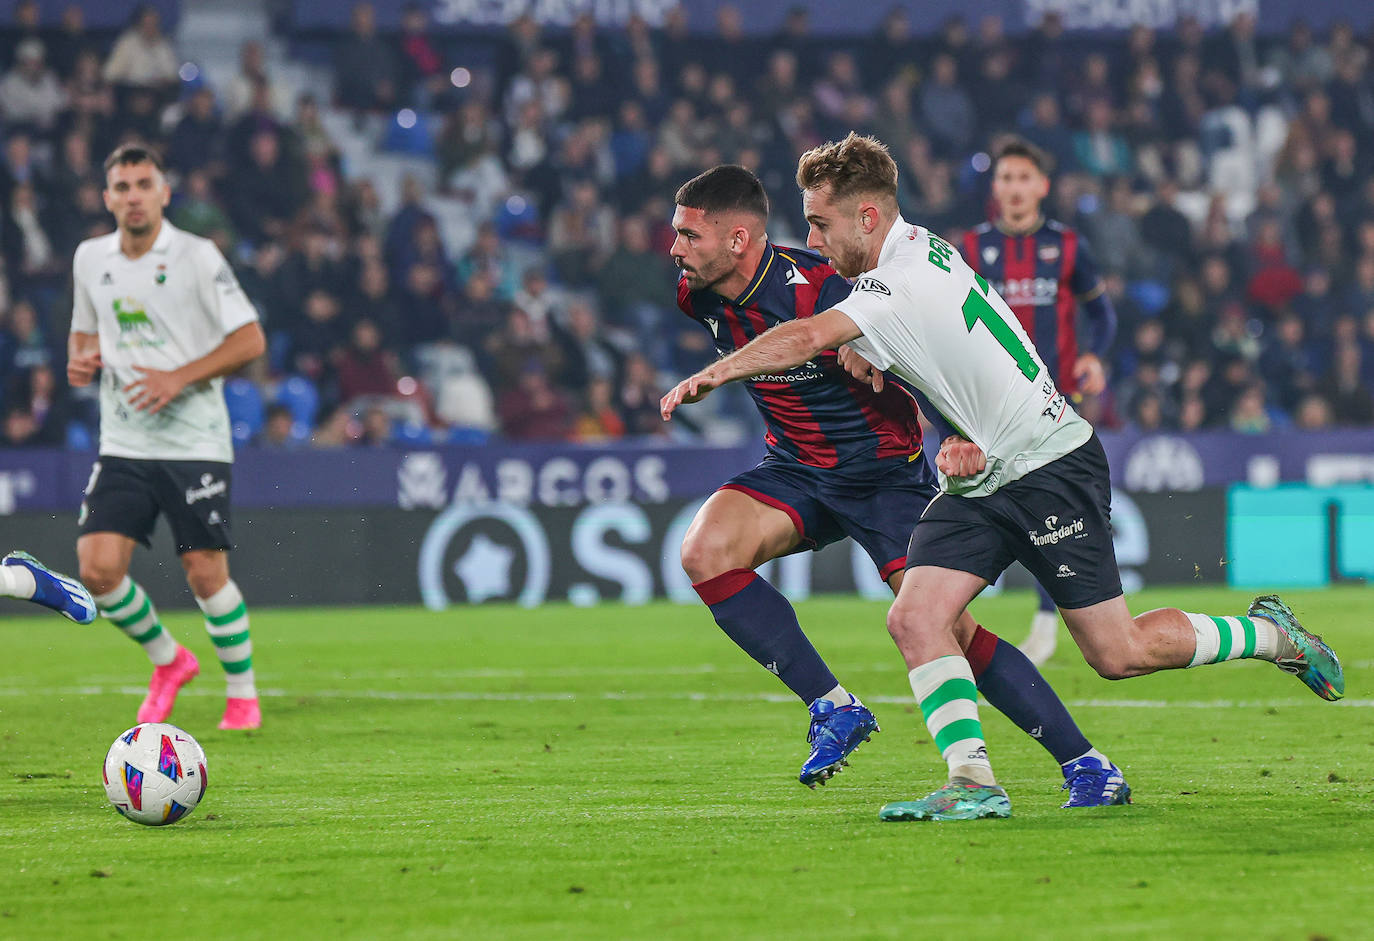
(82,369)
(960,458)
(152,390)
(692,389)
(1092,378)
(860,368)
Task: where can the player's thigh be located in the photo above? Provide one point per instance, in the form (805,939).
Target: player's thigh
(881,514)
(195,496)
(1061,515)
(735,530)
(961,534)
(121,497)
(103,559)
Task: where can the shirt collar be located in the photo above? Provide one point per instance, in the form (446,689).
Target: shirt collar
(161,245)
(765,266)
(899,231)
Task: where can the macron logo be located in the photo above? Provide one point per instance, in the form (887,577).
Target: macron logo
(795,276)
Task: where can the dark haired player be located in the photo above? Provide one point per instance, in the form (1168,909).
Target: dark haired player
(843,459)
(1045,273)
(159,315)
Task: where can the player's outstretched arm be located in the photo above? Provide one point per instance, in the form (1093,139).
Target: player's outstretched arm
(154,388)
(786,345)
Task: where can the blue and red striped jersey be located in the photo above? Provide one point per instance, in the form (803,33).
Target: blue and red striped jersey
(1042,275)
(814,413)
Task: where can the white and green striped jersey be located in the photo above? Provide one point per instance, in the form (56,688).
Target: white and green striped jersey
(174,304)
(935,323)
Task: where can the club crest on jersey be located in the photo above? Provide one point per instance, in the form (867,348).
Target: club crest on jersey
(872,284)
(1048,252)
(161,276)
(989,254)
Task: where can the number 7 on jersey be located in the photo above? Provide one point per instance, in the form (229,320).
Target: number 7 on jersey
(976,308)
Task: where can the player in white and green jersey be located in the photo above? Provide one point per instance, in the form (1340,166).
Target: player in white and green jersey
(1023,479)
(159,315)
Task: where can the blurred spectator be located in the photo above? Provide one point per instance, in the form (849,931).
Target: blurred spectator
(946,108)
(638,398)
(530,409)
(266,191)
(277,428)
(1351,402)
(598,421)
(195,141)
(365,69)
(364,367)
(142,57)
(243,88)
(30,95)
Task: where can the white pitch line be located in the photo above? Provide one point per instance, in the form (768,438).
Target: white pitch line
(612,696)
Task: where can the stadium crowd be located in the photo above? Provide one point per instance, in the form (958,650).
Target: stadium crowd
(1223,181)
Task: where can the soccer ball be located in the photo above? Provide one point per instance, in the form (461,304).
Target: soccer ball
(155,773)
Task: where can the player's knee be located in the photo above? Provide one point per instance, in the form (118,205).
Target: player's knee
(205,576)
(706,555)
(100,577)
(1112,664)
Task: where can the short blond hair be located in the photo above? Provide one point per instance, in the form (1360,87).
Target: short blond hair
(855,166)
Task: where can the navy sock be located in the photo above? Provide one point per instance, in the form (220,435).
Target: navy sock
(1014,687)
(761,621)
(1046,602)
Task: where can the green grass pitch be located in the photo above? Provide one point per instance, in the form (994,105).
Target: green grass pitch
(612,772)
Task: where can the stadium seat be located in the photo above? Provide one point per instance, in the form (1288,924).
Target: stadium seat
(474,437)
(79,437)
(299,395)
(1151,296)
(411,434)
(246,412)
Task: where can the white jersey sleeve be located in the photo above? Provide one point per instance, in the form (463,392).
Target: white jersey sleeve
(220,292)
(84,319)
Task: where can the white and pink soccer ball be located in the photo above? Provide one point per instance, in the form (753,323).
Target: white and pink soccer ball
(155,773)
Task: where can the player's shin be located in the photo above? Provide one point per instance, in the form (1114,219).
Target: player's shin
(226,620)
(948,698)
(764,625)
(132,611)
(1012,685)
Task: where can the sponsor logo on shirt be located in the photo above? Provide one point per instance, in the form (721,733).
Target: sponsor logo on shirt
(1028,292)
(135,329)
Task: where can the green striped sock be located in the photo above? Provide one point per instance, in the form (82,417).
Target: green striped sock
(945,690)
(132,611)
(226,619)
(1232,638)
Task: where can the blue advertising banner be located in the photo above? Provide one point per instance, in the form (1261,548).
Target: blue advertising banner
(556,475)
(762,17)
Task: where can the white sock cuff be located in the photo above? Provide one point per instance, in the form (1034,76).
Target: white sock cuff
(116,595)
(928,677)
(1208,638)
(223,601)
(17,582)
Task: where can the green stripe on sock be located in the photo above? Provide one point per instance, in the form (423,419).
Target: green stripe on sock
(129,596)
(222,619)
(1250,637)
(239,666)
(949,690)
(229,640)
(149,634)
(1224,648)
(956,730)
(135,618)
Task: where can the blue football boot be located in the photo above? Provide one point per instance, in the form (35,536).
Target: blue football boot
(1090,784)
(62,593)
(834,734)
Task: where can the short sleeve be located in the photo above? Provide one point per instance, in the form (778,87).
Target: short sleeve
(220,290)
(873,306)
(83,310)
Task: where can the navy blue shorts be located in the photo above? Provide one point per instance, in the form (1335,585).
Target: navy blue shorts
(878,513)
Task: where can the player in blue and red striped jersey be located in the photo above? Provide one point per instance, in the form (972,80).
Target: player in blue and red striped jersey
(844,459)
(1046,274)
